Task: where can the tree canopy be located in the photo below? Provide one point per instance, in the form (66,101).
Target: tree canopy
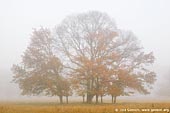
(40,71)
(87,53)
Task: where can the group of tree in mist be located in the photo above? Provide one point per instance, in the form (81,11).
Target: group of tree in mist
(87,55)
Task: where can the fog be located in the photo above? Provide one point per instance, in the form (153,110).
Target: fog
(149,21)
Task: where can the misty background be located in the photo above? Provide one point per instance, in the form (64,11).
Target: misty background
(149,20)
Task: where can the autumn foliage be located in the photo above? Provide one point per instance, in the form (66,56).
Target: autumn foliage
(87,55)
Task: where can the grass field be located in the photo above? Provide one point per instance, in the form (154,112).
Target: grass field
(84,108)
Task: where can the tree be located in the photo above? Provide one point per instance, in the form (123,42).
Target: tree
(115,89)
(83,41)
(77,87)
(40,71)
(89,54)
(98,54)
(67,89)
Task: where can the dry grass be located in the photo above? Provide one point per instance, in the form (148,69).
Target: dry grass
(82,108)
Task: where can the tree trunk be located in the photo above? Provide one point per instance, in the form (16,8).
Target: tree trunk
(89,98)
(97,88)
(90,86)
(83,98)
(97,98)
(101,99)
(67,99)
(61,99)
(114,99)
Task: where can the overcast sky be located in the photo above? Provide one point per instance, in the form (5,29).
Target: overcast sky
(148,19)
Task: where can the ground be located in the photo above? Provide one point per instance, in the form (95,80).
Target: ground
(32,107)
